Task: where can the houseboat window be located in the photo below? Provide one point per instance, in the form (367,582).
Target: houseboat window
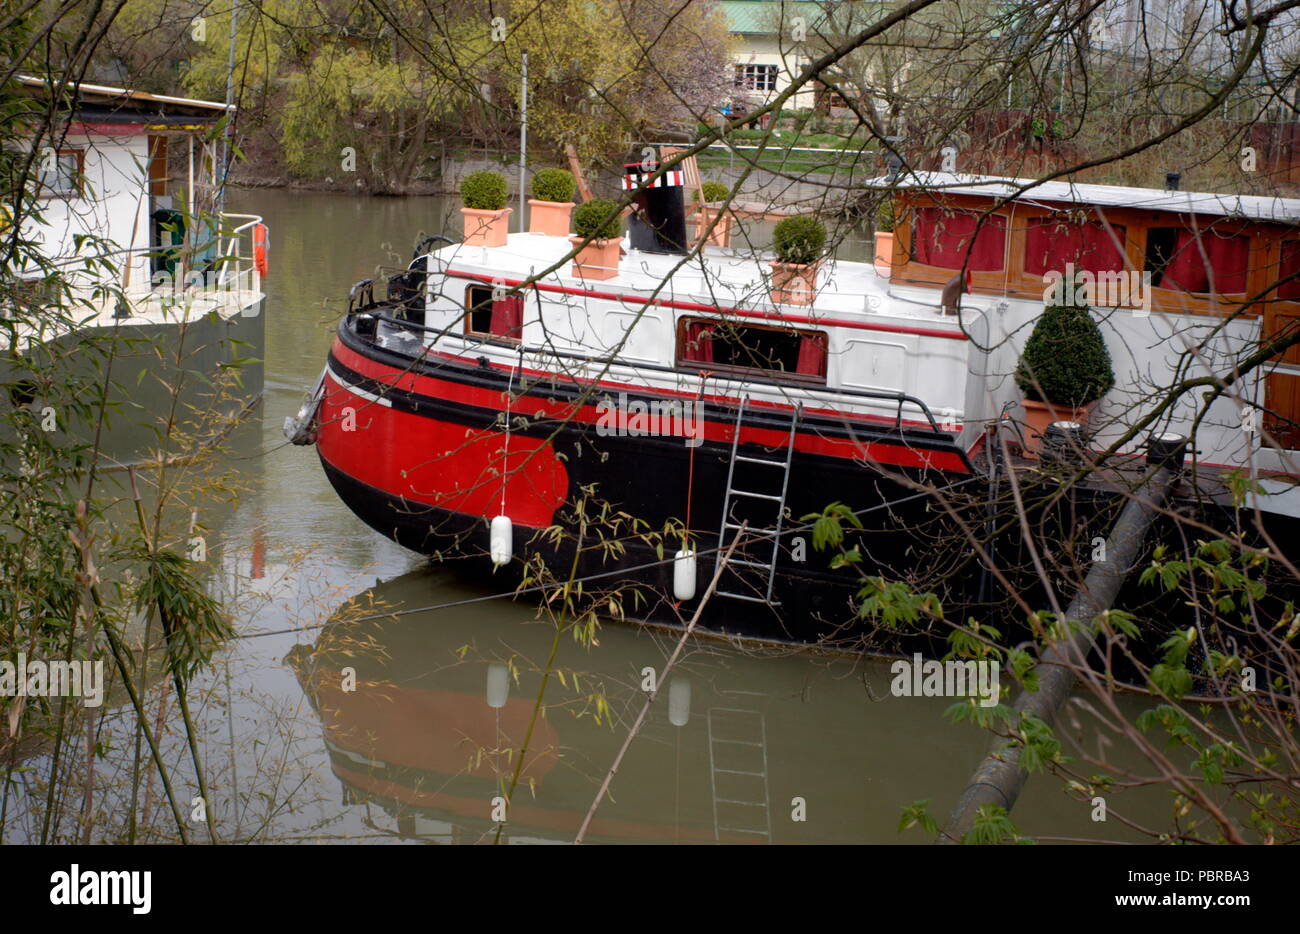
(1053,242)
(725,345)
(493,317)
(756,77)
(1197,261)
(941,237)
(62,174)
(1290,267)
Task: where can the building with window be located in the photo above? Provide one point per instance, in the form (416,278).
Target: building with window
(768,50)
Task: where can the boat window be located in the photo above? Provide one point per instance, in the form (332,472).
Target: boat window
(501,316)
(1290,267)
(1053,242)
(1199,261)
(723,345)
(942,237)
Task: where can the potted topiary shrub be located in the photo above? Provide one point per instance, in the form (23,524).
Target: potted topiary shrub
(597,224)
(714,194)
(799,243)
(551,207)
(1064,369)
(486,217)
(884,237)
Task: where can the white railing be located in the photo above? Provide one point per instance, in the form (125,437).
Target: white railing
(235,270)
(238,270)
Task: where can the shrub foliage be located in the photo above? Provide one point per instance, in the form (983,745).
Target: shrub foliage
(554,185)
(799,240)
(1065,360)
(589,220)
(484,190)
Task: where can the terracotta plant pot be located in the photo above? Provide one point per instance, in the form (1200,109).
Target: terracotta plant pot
(485,228)
(884,252)
(552,218)
(721,235)
(598,259)
(794,283)
(1039,415)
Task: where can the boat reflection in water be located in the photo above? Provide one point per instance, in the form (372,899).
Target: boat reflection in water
(731,743)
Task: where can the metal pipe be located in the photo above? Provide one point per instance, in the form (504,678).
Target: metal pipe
(230,99)
(523,142)
(999,779)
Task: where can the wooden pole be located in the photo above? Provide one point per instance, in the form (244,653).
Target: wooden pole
(584,190)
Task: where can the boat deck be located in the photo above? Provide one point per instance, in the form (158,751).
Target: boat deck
(151,309)
(726,277)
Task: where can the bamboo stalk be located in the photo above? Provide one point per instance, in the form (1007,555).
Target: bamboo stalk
(546,677)
(672,660)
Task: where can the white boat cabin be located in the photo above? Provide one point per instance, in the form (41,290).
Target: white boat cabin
(851,350)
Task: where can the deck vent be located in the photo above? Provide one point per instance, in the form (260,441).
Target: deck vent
(1063,443)
(1167,450)
(658,221)
(1172,179)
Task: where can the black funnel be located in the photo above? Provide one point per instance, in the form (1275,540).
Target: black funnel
(658,222)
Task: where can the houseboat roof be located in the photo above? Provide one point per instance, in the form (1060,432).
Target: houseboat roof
(104,103)
(1252,207)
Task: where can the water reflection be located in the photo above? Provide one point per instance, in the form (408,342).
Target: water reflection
(423,713)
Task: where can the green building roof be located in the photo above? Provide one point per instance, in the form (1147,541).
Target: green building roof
(765,17)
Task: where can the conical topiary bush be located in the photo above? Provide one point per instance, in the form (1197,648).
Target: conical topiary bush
(1065,361)
(1065,367)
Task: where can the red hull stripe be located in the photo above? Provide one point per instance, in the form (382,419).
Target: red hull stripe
(493,401)
(715,309)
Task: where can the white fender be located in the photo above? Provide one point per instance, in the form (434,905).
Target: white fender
(501,540)
(684,574)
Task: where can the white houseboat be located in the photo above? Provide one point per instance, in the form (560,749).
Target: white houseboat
(125,246)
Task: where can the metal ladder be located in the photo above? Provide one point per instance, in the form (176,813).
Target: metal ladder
(755,811)
(774,531)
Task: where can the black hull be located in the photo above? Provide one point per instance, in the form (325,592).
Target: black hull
(905,536)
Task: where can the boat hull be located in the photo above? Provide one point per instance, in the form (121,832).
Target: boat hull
(169,387)
(414,444)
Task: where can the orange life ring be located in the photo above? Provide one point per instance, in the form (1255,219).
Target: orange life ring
(261,243)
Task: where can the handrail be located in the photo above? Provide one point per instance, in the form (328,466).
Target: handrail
(228,256)
(901,398)
(251,220)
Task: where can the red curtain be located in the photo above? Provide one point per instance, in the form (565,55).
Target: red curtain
(1290,266)
(941,237)
(508,316)
(1093,247)
(699,342)
(812,355)
(1222,269)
